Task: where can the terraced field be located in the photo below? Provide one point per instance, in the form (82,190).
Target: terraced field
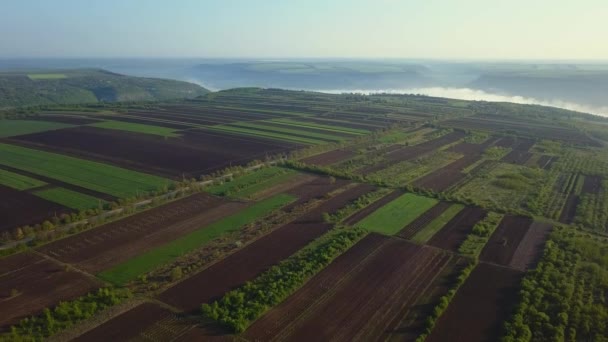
(400,217)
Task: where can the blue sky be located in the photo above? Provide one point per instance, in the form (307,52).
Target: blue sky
(442,29)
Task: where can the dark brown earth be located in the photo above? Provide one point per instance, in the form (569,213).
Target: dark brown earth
(329,158)
(360,296)
(108,245)
(531,247)
(29,283)
(480,306)
(502,245)
(423,220)
(20,208)
(195,153)
(453,234)
(255,258)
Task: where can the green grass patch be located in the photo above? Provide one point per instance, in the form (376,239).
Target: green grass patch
(251,183)
(432,228)
(137,128)
(69,198)
(480,235)
(290,131)
(256,133)
(131,269)
(11,128)
(52,76)
(17,181)
(96,176)
(397,214)
(330,128)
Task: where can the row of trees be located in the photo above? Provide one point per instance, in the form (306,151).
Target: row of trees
(564,298)
(66,314)
(238,308)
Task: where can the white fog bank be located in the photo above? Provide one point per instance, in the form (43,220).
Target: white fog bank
(479,95)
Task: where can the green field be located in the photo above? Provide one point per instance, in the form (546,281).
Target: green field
(287,130)
(48,76)
(272,135)
(251,183)
(432,228)
(397,214)
(137,128)
(100,177)
(146,262)
(17,181)
(69,198)
(294,123)
(11,128)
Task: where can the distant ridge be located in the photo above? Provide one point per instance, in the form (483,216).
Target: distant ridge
(80,86)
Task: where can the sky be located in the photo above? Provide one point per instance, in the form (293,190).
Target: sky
(437,29)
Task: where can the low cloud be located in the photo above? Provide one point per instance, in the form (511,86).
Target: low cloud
(480,95)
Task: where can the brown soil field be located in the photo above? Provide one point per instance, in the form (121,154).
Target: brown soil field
(315,189)
(479,308)
(60,184)
(423,220)
(108,245)
(444,178)
(146,321)
(195,153)
(311,129)
(255,258)
(360,215)
(19,208)
(502,245)
(531,247)
(39,283)
(330,157)
(569,209)
(67,119)
(187,119)
(359,297)
(356,124)
(592,185)
(410,152)
(453,234)
(147,121)
(479,122)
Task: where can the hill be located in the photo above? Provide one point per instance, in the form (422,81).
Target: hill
(42,87)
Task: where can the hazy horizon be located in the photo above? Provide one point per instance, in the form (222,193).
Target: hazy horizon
(469,30)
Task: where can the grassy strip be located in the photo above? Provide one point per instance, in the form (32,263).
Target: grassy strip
(248,184)
(357,205)
(432,228)
(11,128)
(480,235)
(65,315)
(290,131)
(17,181)
(397,214)
(295,123)
(444,302)
(251,191)
(96,176)
(137,128)
(69,198)
(255,133)
(268,111)
(239,308)
(131,269)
